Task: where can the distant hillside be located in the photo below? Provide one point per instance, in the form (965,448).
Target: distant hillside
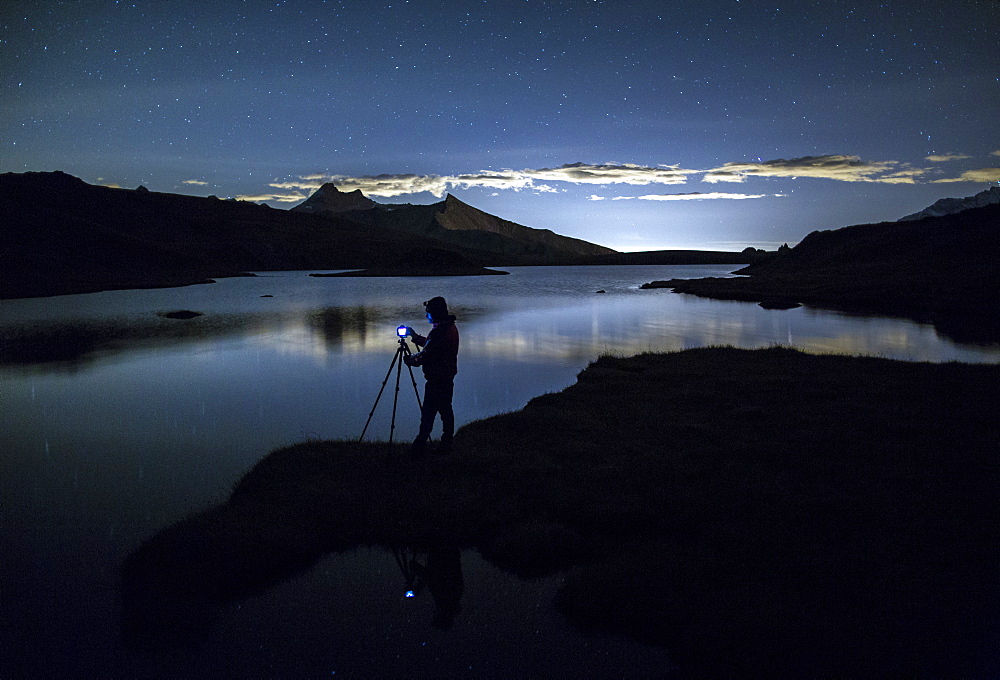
(679,257)
(939,269)
(60,235)
(455,222)
(950,206)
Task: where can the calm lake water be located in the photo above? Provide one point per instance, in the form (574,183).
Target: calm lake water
(118,422)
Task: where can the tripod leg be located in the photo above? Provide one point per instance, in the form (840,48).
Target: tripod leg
(395,357)
(395,396)
(414,382)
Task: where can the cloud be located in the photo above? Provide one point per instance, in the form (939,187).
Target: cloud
(612,173)
(387,186)
(980,175)
(280,198)
(840,167)
(194,181)
(837,167)
(996,153)
(698,196)
(944,158)
(516,180)
(692,196)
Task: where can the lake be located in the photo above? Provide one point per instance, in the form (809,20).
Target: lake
(118,422)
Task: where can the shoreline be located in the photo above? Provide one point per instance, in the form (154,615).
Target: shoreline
(960,315)
(746,509)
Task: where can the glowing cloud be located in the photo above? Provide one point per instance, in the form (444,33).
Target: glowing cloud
(840,167)
(280,198)
(612,173)
(944,158)
(837,167)
(980,175)
(698,196)
(197,182)
(516,180)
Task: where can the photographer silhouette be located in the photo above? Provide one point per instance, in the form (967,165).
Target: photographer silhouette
(439,361)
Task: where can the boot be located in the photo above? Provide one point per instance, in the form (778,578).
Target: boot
(418,449)
(444,447)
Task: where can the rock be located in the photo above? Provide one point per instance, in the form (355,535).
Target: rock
(180,314)
(778,303)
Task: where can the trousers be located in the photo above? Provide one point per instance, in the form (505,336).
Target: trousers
(437,399)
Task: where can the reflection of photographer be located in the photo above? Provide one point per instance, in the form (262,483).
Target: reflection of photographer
(443,577)
(439,360)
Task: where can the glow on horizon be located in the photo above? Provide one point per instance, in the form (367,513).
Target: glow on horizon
(827,116)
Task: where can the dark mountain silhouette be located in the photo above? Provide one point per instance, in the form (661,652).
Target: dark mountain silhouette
(60,235)
(938,269)
(455,222)
(950,206)
(329,199)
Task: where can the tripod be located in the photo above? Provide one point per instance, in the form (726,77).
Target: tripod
(397,360)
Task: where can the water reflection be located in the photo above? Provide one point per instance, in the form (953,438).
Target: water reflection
(118,422)
(174,585)
(440,573)
(534,319)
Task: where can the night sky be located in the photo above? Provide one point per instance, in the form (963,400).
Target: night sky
(637,125)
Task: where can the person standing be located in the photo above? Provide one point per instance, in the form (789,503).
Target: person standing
(439,360)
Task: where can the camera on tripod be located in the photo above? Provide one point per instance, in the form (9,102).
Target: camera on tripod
(398,360)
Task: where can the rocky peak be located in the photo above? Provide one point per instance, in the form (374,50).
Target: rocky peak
(329,199)
(949,206)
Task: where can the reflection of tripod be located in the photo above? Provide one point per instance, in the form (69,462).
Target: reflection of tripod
(403,350)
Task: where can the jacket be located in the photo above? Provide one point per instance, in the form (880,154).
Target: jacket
(439,357)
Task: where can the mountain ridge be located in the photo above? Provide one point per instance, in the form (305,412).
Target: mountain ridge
(940,270)
(456,222)
(950,206)
(60,235)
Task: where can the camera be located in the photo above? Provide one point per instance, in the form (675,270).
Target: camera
(402,331)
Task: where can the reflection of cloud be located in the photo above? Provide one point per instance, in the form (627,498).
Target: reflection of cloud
(197,182)
(980,175)
(838,167)
(944,158)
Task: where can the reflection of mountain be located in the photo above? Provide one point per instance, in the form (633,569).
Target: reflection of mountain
(453,222)
(76,342)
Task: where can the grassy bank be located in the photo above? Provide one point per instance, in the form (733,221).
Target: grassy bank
(940,270)
(764,512)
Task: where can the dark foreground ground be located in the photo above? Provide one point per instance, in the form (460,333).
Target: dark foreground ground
(757,512)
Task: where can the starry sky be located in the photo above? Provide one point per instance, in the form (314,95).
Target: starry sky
(717,124)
